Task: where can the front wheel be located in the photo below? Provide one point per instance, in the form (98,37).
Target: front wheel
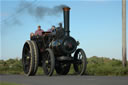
(48,62)
(80,61)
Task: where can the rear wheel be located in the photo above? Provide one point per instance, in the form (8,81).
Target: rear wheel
(36,57)
(28,58)
(80,61)
(48,62)
(62,68)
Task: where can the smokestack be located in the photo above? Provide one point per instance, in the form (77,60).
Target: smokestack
(66,11)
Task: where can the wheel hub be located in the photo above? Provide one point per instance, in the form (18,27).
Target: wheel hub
(28,57)
(46,61)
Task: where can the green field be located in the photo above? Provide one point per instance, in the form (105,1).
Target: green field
(6,83)
(96,66)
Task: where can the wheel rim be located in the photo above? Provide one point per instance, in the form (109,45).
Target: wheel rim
(26,58)
(48,62)
(36,57)
(80,61)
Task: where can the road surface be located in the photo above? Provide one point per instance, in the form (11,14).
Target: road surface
(65,80)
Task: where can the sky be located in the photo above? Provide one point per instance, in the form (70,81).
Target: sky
(96,24)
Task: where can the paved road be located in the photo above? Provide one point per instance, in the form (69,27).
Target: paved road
(65,80)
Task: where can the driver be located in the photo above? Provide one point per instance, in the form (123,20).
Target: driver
(39,31)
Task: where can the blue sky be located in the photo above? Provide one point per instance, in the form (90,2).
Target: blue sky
(97,24)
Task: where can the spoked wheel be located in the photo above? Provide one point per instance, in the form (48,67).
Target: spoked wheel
(30,58)
(62,68)
(48,62)
(80,63)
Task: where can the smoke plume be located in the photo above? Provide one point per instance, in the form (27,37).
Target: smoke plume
(39,12)
(32,9)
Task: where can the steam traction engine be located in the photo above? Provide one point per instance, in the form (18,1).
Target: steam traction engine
(54,52)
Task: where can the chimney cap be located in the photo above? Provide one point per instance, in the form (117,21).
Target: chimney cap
(66,8)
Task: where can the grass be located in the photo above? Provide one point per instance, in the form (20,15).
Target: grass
(105,66)
(96,66)
(7,83)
